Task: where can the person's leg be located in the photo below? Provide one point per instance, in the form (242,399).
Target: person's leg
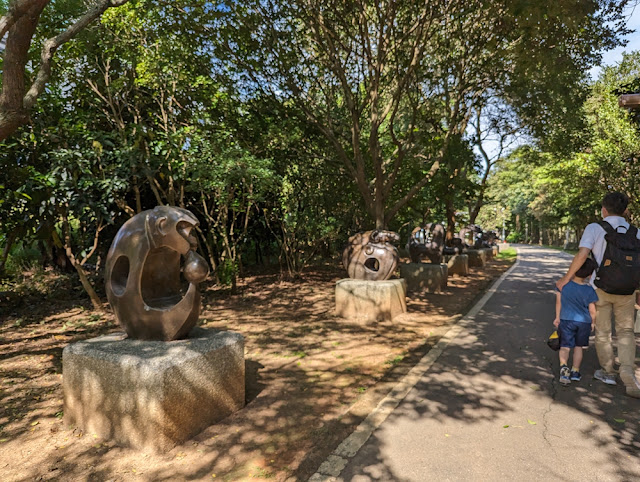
(566,330)
(583,330)
(604,347)
(577,359)
(623,312)
(563,355)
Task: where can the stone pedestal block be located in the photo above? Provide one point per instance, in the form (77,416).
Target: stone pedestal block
(496,250)
(153,395)
(488,252)
(477,258)
(365,301)
(458,264)
(424,277)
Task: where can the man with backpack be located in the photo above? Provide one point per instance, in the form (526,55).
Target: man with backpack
(615,246)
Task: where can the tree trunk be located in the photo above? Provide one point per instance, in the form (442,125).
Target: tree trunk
(86,284)
(379,213)
(11,237)
(451,221)
(16,54)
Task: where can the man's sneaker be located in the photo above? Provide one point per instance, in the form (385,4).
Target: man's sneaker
(631,383)
(608,378)
(565,374)
(575,376)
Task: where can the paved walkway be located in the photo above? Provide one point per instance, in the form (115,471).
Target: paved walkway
(490,408)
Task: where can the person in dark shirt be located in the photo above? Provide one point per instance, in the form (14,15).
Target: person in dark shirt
(575,319)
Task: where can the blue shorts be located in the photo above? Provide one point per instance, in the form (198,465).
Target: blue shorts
(574,333)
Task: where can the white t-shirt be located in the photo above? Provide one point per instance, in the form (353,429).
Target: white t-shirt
(593,237)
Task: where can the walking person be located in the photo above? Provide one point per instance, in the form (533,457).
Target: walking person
(575,319)
(615,287)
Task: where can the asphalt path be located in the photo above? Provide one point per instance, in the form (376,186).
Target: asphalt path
(490,406)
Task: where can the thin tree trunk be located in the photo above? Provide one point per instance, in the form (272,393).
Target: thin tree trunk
(84,280)
(451,221)
(11,237)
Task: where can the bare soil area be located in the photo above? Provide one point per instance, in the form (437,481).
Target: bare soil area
(311,378)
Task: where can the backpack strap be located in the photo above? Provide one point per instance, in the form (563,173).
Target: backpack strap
(607,227)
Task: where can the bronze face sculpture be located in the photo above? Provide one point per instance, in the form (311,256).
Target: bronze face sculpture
(426,242)
(371,256)
(143,274)
(455,246)
(468,235)
(473,236)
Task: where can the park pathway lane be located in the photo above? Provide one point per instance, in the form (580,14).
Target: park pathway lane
(490,407)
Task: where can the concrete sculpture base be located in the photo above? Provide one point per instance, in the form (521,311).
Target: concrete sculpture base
(495,250)
(477,258)
(488,253)
(458,264)
(366,301)
(424,277)
(153,395)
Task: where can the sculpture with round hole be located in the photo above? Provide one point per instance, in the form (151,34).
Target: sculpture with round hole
(150,298)
(371,256)
(427,241)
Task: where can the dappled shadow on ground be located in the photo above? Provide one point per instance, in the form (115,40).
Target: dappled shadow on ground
(493,395)
(310,378)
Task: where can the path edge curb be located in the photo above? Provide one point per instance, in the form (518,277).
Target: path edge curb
(331,468)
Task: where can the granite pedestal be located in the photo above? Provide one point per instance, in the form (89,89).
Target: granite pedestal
(367,301)
(477,258)
(458,264)
(425,277)
(153,395)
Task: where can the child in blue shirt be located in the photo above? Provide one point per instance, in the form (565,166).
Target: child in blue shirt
(575,319)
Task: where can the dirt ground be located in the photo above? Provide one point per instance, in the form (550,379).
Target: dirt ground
(310,378)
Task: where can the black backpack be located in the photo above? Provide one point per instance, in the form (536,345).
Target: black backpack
(619,272)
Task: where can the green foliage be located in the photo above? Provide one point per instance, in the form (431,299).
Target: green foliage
(509,254)
(22,258)
(515,237)
(561,188)
(280,129)
(227,272)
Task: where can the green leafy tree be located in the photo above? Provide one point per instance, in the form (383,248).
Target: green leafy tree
(614,132)
(230,183)
(390,84)
(21,83)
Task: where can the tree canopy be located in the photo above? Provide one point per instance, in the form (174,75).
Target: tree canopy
(285,127)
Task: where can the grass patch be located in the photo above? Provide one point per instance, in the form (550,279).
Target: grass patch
(395,361)
(560,248)
(509,254)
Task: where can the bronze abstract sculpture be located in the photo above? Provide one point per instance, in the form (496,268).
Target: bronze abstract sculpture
(454,246)
(371,256)
(474,237)
(469,235)
(426,242)
(143,274)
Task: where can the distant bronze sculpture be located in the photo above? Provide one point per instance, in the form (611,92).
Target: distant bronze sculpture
(143,274)
(491,237)
(454,246)
(426,242)
(371,256)
(473,237)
